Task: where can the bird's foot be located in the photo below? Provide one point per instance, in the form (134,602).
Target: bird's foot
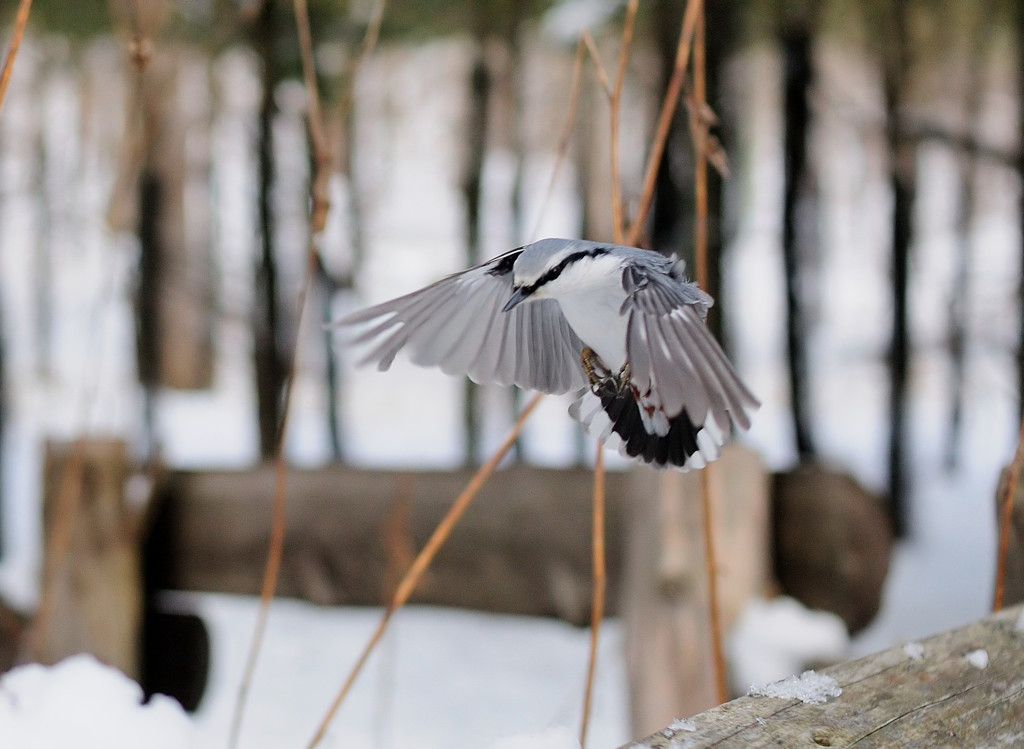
(624,376)
(593,366)
(598,374)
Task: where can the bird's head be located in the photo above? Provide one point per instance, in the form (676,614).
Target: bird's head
(545,265)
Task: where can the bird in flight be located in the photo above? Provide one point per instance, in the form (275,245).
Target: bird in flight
(620,324)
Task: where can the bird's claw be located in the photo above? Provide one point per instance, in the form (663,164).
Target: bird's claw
(590,364)
(598,374)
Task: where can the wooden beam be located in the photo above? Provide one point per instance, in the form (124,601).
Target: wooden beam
(524,546)
(944,693)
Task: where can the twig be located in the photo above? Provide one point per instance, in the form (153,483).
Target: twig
(600,584)
(20,21)
(699,131)
(275,547)
(320,205)
(322,156)
(412,577)
(595,58)
(616,112)
(1006,519)
(598,531)
(369,42)
(668,108)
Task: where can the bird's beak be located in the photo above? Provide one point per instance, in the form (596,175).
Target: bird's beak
(517,298)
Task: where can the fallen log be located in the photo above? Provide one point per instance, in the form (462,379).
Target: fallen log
(523,547)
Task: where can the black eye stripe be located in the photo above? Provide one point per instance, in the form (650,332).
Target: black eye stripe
(553,273)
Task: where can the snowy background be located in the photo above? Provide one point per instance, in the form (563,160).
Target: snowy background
(448,678)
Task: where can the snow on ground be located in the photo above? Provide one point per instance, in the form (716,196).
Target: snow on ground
(82,703)
(442,678)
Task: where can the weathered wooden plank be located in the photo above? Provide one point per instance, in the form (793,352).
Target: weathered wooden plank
(523,547)
(937,698)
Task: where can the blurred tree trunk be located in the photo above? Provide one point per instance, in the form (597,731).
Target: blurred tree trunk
(798,72)
(173,305)
(268,362)
(967,162)
(476,146)
(903,176)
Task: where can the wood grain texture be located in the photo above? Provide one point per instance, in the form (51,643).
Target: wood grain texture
(889,700)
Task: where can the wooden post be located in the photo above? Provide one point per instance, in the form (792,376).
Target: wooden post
(959,688)
(92,584)
(665,599)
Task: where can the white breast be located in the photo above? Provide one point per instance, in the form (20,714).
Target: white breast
(590,294)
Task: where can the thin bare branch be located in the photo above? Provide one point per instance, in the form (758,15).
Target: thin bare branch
(275,547)
(616,114)
(600,584)
(320,205)
(322,156)
(699,129)
(424,558)
(595,58)
(668,108)
(20,21)
(369,42)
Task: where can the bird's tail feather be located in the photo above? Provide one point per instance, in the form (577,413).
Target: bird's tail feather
(612,414)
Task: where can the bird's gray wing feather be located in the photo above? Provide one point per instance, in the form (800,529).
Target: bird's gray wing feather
(458,324)
(672,352)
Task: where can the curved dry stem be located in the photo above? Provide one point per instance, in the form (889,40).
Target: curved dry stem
(668,108)
(369,42)
(701,195)
(595,58)
(275,547)
(616,112)
(600,584)
(20,22)
(423,559)
(322,156)
(318,216)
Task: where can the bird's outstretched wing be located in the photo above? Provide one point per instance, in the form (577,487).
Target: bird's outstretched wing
(458,324)
(683,397)
(672,352)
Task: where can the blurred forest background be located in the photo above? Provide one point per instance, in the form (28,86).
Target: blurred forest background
(155,170)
